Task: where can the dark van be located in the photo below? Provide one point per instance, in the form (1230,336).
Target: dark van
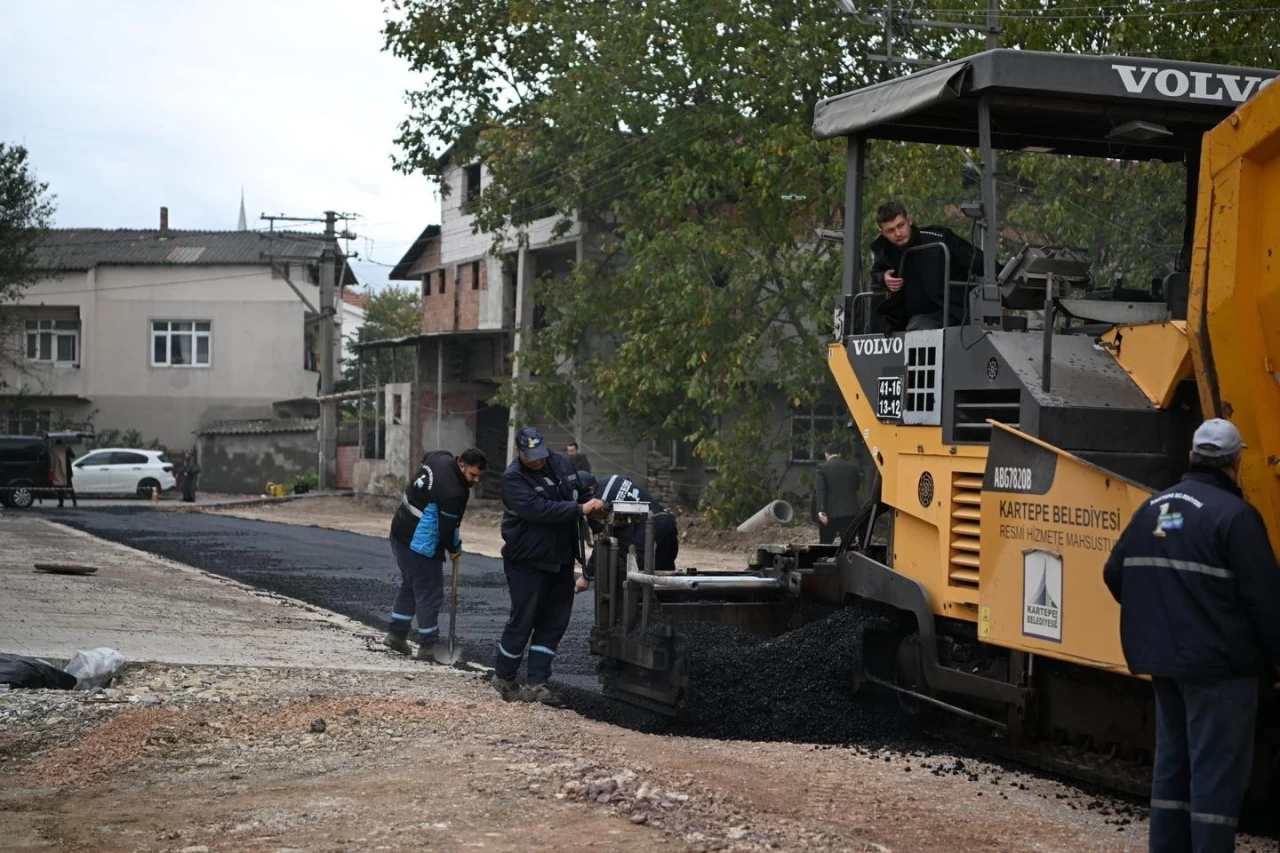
(24,469)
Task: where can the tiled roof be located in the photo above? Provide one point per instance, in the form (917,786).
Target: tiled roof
(85,248)
(352,297)
(261,426)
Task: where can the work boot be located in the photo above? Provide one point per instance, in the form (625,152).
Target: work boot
(508,688)
(396,643)
(427,652)
(541,694)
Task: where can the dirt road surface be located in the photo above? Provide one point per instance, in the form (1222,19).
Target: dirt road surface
(234,759)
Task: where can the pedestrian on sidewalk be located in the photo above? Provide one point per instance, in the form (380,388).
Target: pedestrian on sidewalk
(60,466)
(544,503)
(577,457)
(835,495)
(1199,593)
(190,472)
(426,526)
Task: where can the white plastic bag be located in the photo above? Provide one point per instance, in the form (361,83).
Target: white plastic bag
(95,668)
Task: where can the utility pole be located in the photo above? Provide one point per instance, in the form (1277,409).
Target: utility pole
(885,17)
(329,261)
(332,260)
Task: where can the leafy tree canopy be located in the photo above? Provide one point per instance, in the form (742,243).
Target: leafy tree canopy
(680,130)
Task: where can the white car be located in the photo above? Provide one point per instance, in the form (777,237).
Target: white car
(122,471)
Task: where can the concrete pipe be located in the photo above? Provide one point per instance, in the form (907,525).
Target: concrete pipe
(774,512)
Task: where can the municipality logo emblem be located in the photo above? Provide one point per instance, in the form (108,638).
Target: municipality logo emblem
(1042,595)
(1167,521)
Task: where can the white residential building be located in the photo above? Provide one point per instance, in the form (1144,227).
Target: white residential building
(163,331)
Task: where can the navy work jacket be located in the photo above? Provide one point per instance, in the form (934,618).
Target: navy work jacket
(1197,582)
(542,508)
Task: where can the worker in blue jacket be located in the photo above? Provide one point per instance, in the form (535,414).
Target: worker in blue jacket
(544,506)
(666,534)
(1199,593)
(426,526)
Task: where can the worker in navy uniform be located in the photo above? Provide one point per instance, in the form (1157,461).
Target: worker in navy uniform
(426,526)
(835,495)
(544,504)
(1199,593)
(666,534)
(917,287)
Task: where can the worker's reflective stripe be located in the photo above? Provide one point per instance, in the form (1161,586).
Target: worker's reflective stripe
(413,510)
(451,515)
(543,649)
(1220,819)
(395,615)
(604,496)
(435,630)
(1170,804)
(1178,565)
(507,653)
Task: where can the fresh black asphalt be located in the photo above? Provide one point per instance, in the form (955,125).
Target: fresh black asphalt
(349,573)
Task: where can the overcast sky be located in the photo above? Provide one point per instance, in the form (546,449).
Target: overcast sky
(130,105)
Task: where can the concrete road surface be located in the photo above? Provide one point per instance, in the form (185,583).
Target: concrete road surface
(346,572)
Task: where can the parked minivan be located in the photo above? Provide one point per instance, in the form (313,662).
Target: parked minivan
(24,469)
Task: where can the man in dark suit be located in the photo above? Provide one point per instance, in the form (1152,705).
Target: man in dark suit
(836,495)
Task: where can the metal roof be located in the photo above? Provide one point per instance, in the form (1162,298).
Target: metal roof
(85,248)
(1067,102)
(260,426)
(400,272)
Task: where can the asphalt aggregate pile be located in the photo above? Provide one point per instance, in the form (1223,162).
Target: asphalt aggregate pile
(795,687)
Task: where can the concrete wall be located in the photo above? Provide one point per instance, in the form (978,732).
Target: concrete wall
(398,450)
(256,346)
(244,464)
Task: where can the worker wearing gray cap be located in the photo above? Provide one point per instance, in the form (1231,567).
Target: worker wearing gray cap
(1199,593)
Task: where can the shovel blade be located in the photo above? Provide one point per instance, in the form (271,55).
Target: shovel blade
(442,654)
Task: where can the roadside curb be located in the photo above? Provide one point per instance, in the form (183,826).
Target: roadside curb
(263,501)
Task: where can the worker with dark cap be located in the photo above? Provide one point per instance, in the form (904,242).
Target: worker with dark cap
(544,503)
(666,534)
(1199,593)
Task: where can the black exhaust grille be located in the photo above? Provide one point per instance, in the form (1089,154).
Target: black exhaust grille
(974,408)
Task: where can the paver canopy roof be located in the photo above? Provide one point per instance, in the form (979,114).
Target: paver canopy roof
(1069,103)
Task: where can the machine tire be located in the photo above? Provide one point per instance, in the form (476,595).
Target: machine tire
(909,674)
(145,487)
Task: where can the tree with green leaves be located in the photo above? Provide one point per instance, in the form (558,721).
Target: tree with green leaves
(391,312)
(679,133)
(26,209)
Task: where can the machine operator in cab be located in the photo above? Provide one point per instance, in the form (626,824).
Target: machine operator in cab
(1199,593)
(916,283)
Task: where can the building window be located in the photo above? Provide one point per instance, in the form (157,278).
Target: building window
(396,416)
(812,427)
(180,343)
(471,185)
(475,275)
(440,289)
(426,284)
(681,455)
(55,341)
(29,421)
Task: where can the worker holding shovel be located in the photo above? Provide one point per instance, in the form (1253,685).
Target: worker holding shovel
(427,525)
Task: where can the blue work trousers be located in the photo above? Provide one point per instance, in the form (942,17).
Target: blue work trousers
(421,593)
(1204,757)
(541,604)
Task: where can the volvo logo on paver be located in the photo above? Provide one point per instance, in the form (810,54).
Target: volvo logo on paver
(877,346)
(1200,85)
